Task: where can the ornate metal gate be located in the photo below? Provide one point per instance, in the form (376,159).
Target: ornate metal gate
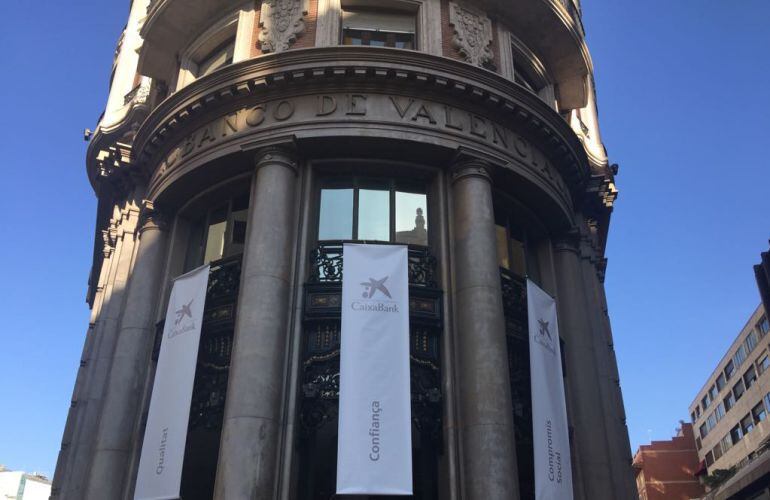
(320,373)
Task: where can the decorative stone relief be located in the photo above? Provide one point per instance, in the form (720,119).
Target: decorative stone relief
(281,21)
(472,34)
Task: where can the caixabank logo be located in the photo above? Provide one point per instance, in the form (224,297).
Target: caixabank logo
(184,321)
(374,291)
(544,337)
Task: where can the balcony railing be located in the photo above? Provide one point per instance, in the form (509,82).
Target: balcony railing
(326,265)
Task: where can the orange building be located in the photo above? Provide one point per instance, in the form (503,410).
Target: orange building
(665,470)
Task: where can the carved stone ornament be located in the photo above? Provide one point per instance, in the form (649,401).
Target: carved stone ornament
(472,35)
(281,21)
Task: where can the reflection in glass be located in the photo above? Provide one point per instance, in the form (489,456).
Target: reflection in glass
(411,218)
(336,219)
(502,247)
(518,259)
(215,239)
(373,215)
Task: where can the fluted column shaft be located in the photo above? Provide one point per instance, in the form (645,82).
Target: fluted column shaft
(486,413)
(112,451)
(585,395)
(251,429)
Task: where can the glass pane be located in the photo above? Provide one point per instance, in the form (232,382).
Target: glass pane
(239,217)
(215,238)
(502,247)
(373,215)
(518,259)
(219,58)
(411,218)
(336,219)
(194,247)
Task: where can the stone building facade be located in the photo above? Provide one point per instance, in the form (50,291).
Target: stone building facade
(258,136)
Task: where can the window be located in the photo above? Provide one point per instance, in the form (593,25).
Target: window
(763,362)
(692,417)
(709,459)
(705,402)
(766,399)
(703,431)
(529,72)
(711,422)
(220,233)
(523,76)
(377,28)
(211,50)
(763,326)
(697,411)
(717,451)
(729,401)
(726,442)
(720,411)
(713,393)
(751,341)
(698,444)
(510,250)
(740,355)
(373,211)
(218,58)
(721,382)
(736,434)
(729,370)
(747,424)
(758,412)
(750,377)
(738,390)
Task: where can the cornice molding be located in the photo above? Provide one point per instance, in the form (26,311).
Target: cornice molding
(391,68)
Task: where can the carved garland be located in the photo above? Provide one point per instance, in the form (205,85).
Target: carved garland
(472,35)
(281,21)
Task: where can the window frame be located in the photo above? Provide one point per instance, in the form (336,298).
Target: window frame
(428,26)
(394,184)
(236,25)
(742,392)
(412,10)
(750,376)
(761,411)
(747,424)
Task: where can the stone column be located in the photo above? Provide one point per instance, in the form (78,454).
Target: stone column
(486,413)
(112,450)
(80,394)
(252,422)
(616,431)
(123,226)
(585,395)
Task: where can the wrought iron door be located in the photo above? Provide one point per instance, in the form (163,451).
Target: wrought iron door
(514,291)
(321,365)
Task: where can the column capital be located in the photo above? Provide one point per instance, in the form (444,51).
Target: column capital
(471,167)
(568,241)
(285,156)
(151,218)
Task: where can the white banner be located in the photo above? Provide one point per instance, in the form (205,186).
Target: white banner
(160,465)
(374,455)
(553,470)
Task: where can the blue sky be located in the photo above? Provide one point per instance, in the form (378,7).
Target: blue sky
(683,108)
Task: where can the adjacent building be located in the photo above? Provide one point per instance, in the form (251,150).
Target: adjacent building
(260,136)
(730,412)
(18,485)
(762,273)
(665,470)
